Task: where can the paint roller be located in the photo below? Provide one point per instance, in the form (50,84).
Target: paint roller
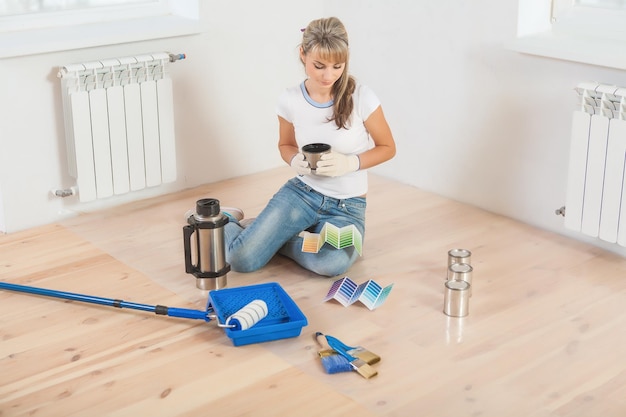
(243,319)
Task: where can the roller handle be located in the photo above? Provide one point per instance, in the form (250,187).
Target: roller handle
(183,313)
(111,302)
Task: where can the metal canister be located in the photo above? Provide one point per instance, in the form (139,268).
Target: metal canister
(461,272)
(459,256)
(456,298)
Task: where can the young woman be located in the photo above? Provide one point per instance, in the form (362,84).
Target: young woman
(329,107)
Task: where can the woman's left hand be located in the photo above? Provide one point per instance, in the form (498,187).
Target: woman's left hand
(335,164)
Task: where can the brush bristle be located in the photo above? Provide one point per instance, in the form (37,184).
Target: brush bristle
(335,363)
(363,368)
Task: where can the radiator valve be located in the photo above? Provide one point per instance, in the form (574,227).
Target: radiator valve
(67,192)
(176,57)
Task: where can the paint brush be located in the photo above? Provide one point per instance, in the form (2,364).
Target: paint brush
(357,351)
(332,361)
(359,365)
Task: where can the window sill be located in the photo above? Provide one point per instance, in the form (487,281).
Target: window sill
(600,52)
(31,42)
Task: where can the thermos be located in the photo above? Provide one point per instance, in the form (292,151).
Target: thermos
(205,232)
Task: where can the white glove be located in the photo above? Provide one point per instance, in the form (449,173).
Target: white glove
(300,164)
(335,164)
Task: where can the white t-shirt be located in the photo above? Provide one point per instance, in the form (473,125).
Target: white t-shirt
(310,121)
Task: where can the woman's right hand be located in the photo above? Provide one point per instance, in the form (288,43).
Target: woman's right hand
(300,164)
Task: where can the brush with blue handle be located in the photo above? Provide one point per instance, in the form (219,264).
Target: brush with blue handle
(358,351)
(359,365)
(332,361)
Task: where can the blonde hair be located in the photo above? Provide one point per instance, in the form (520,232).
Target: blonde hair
(328,38)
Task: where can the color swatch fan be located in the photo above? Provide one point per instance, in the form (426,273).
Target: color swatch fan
(369,293)
(340,238)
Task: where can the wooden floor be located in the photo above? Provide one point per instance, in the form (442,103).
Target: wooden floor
(545,336)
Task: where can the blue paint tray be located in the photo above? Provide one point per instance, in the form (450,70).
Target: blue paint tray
(284,319)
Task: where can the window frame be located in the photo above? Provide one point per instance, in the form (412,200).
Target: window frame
(564,30)
(81,15)
(594,22)
(46,32)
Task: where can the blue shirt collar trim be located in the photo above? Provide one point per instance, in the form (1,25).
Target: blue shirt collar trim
(312,102)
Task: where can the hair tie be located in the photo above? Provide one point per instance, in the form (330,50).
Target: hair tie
(302,30)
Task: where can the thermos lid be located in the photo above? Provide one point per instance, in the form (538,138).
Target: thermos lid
(208,207)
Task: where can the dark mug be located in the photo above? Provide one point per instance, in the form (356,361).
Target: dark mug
(313,152)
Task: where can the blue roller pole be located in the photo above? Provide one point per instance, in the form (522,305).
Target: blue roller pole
(157,309)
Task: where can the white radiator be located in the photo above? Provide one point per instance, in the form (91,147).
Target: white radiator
(596,193)
(119,124)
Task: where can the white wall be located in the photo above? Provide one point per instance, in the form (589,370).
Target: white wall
(225,93)
(473,120)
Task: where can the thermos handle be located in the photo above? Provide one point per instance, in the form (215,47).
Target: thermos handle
(187,232)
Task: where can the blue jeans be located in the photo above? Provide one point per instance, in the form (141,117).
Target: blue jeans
(294,208)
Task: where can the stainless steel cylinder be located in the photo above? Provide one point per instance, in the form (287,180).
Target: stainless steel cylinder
(459,256)
(204,236)
(212,250)
(456,298)
(210,284)
(212,258)
(461,272)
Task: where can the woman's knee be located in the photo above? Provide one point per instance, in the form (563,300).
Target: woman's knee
(244,260)
(243,267)
(332,266)
(245,264)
